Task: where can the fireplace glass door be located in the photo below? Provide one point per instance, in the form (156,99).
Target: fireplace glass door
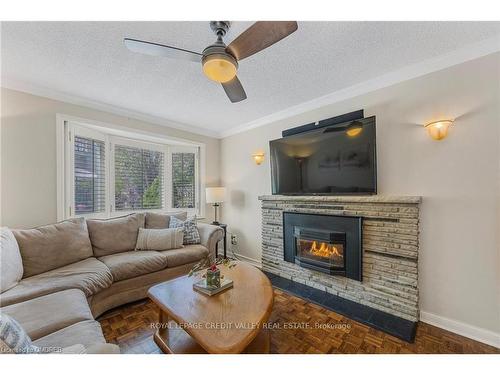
(319,249)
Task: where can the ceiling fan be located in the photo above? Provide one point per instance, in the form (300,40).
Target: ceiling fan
(220,62)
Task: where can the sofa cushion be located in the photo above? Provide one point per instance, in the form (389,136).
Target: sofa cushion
(89,275)
(43,315)
(134,263)
(160,239)
(188,254)
(86,333)
(114,235)
(11,264)
(51,246)
(191,234)
(162,220)
(13,337)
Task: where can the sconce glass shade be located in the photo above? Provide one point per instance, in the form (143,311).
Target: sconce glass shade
(258,158)
(438,130)
(215,194)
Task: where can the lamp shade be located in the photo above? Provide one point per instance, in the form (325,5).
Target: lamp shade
(215,194)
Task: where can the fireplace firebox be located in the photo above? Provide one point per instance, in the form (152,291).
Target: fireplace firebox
(324,243)
(320,249)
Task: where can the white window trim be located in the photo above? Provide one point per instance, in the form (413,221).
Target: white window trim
(121,135)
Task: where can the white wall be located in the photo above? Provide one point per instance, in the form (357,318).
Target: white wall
(28,154)
(459,179)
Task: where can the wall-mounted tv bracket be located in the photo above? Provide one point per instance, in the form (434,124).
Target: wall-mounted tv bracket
(351,116)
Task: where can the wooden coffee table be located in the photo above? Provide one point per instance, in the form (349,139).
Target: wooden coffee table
(230,322)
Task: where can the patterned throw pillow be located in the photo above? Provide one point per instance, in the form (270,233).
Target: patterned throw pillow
(191,234)
(13,338)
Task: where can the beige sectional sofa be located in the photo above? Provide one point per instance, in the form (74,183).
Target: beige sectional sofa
(75,270)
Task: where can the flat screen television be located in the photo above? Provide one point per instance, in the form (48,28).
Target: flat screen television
(326,161)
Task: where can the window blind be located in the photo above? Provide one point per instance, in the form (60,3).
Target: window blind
(89,175)
(183,180)
(138,178)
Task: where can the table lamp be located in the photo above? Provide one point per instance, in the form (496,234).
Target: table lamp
(215,195)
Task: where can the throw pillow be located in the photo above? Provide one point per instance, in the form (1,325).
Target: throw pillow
(159,239)
(11,264)
(14,337)
(191,234)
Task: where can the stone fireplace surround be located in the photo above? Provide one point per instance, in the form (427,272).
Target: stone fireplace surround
(390,249)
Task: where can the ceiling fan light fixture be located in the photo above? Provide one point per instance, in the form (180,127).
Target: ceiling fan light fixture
(219,67)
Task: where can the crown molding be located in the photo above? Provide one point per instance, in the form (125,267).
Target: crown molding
(29,88)
(459,56)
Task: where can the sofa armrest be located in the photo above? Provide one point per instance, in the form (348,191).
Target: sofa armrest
(209,236)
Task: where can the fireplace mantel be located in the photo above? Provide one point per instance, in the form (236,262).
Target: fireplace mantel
(390,243)
(344,198)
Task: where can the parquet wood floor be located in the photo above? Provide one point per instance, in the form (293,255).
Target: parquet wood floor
(296,326)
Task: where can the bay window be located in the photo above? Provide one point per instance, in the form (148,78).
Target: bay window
(110,174)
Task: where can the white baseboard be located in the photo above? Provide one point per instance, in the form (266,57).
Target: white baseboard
(253,262)
(461,328)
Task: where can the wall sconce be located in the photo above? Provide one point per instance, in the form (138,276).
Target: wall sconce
(438,130)
(258,158)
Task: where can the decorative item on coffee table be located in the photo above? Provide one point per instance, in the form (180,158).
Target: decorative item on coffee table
(213,277)
(211,280)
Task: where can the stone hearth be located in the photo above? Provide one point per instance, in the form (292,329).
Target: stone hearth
(390,249)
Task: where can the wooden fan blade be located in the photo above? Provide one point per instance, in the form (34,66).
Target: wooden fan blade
(234,90)
(259,36)
(155,49)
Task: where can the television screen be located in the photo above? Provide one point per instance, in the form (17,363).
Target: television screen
(335,160)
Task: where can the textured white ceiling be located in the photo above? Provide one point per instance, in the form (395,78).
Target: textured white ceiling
(89,60)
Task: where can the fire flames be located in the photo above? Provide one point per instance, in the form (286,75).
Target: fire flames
(324,250)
